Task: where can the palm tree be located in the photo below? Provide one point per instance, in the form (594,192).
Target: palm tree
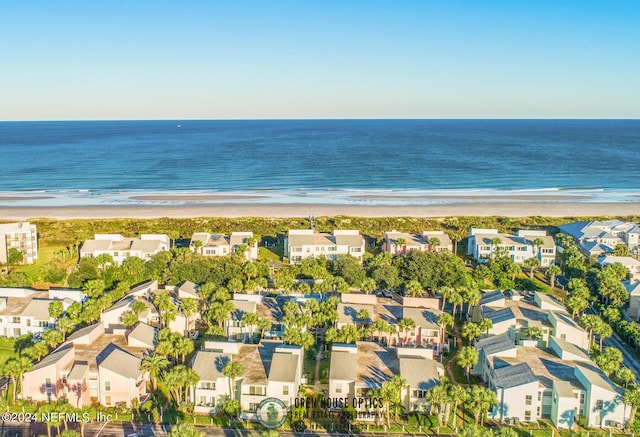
(533,332)
(456,299)
(553,270)
(485,325)
(65,325)
(406,324)
(495,242)
(188,307)
(263,324)
(15,368)
(481,400)
(379,326)
(631,397)
(538,243)
(364,316)
(156,365)
(438,396)
(249,320)
(434,243)
(401,243)
(183,347)
(459,396)
(197,246)
(184,429)
(413,288)
(532,263)
(55,310)
(232,370)
(444,320)
(471,331)
(467,358)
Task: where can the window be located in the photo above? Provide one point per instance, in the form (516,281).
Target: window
(563,336)
(47,382)
(338,388)
(107,386)
(527,416)
(539,395)
(202,400)
(599,405)
(255,390)
(107,401)
(16,320)
(28,322)
(285,390)
(208,385)
(538,412)
(581,398)
(356,249)
(527,399)
(253,406)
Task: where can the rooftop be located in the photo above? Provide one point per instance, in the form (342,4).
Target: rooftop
(375,364)
(209,365)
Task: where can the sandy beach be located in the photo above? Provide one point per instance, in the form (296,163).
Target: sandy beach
(520,209)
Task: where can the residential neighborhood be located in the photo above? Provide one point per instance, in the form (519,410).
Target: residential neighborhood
(212,329)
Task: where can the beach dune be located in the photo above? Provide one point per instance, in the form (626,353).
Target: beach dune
(505,209)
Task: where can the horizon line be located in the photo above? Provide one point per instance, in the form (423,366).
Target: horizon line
(322,119)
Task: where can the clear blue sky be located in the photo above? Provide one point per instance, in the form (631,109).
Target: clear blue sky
(325,59)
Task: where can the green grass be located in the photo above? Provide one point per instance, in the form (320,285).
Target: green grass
(6,350)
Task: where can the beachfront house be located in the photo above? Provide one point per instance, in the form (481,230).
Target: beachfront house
(602,236)
(399,243)
(485,244)
(306,243)
(223,245)
(22,237)
(121,248)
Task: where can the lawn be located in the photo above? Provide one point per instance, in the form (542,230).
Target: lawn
(6,350)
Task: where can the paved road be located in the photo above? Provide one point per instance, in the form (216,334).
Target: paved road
(120,429)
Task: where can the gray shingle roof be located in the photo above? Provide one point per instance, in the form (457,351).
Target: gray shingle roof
(496,344)
(420,373)
(120,362)
(344,366)
(53,357)
(144,333)
(209,365)
(423,317)
(513,376)
(499,316)
(38,309)
(491,297)
(284,367)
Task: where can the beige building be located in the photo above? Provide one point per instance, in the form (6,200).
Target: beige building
(121,248)
(90,367)
(305,243)
(399,243)
(20,236)
(519,247)
(223,245)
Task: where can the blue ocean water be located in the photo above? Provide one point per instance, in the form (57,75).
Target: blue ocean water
(320,159)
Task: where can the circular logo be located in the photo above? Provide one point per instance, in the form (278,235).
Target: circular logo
(271,412)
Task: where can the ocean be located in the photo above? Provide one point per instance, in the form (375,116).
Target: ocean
(360,162)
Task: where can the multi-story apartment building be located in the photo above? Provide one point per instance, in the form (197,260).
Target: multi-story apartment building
(602,236)
(22,237)
(90,367)
(223,245)
(399,243)
(305,243)
(485,244)
(121,248)
(26,311)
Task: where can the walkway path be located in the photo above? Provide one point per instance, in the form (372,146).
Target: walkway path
(458,341)
(316,373)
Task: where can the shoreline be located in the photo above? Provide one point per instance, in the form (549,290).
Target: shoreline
(488,209)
